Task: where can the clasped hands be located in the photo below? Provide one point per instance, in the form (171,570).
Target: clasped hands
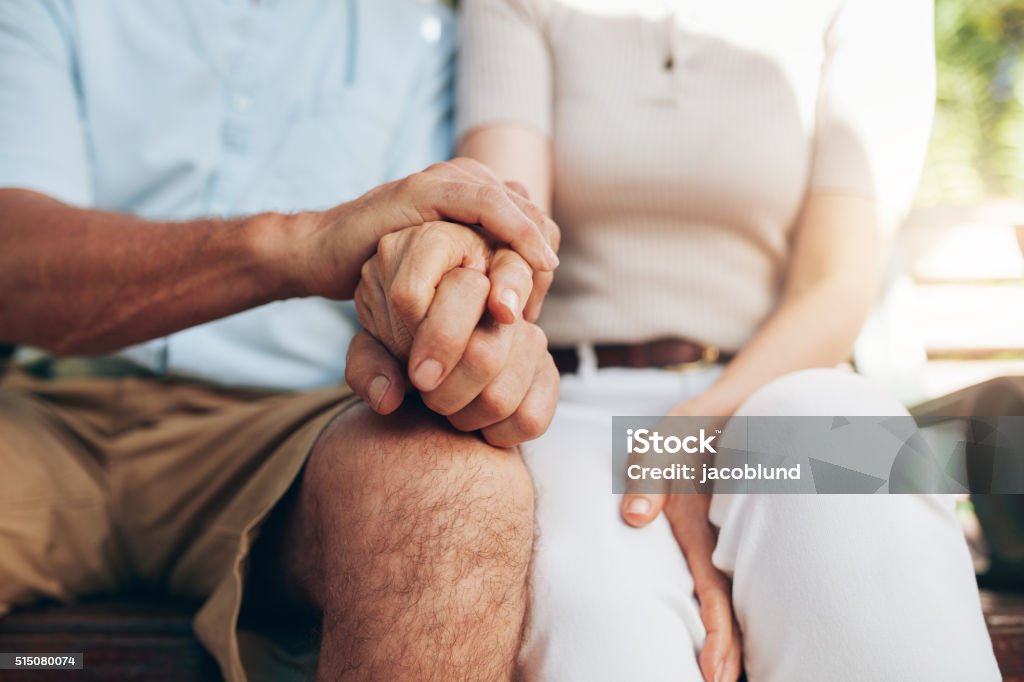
(448,310)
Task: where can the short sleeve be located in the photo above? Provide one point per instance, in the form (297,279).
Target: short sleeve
(504,72)
(42,144)
(876,101)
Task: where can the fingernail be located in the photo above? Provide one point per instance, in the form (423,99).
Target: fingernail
(427,374)
(640,506)
(552,257)
(510,299)
(378,389)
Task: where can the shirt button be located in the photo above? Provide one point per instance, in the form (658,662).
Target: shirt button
(241,103)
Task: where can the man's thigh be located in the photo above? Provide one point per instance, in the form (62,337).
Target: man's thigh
(164,484)
(56,536)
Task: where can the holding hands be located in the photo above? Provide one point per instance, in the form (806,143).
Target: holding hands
(455,307)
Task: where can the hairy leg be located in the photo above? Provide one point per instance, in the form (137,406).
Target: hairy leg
(412,544)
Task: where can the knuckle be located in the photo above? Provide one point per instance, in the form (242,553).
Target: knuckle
(409,184)
(472,166)
(368,271)
(432,402)
(403,295)
(456,190)
(531,422)
(362,309)
(500,438)
(471,282)
(519,269)
(437,230)
(460,423)
(491,196)
(443,341)
(438,404)
(388,246)
(535,336)
(439,167)
(482,359)
(534,213)
(497,403)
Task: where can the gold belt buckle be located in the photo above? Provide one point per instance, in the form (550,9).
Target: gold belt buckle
(709,358)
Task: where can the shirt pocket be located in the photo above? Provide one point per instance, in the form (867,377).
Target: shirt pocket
(335,149)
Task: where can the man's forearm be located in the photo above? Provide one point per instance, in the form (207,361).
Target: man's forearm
(77,281)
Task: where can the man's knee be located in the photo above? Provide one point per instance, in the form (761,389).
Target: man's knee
(408,488)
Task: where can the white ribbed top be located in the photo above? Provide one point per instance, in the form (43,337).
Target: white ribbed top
(677,189)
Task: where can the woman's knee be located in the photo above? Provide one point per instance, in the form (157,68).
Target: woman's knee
(812,392)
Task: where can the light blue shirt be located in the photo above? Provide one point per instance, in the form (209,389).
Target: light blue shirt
(179,109)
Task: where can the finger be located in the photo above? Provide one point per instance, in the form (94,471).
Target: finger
(716,614)
(518,188)
(534,415)
(517,192)
(486,355)
(541,285)
(732,667)
(374,374)
(435,251)
(486,204)
(541,279)
(644,498)
(639,510)
(714,656)
(500,399)
(511,285)
(443,334)
(479,171)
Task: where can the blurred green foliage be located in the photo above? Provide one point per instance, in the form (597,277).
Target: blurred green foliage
(977,146)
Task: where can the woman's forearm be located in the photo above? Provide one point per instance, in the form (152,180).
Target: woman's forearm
(514,153)
(830,287)
(814,329)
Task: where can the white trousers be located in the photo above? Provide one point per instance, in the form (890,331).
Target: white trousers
(831,587)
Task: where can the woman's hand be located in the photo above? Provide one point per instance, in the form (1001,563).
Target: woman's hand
(721,656)
(430,298)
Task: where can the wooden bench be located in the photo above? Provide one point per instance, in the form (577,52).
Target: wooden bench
(152,640)
(123,641)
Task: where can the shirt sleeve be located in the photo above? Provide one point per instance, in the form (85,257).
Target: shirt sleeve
(42,144)
(425,131)
(504,66)
(876,101)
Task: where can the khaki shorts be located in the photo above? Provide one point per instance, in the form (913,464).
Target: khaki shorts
(121,483)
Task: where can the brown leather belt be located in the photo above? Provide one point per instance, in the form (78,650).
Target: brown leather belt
(670,354)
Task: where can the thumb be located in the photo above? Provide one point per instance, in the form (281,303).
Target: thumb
(374,374)
(640,510)
(511,284)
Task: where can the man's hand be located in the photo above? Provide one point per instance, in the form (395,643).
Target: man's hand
(505,384)
(330,247)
